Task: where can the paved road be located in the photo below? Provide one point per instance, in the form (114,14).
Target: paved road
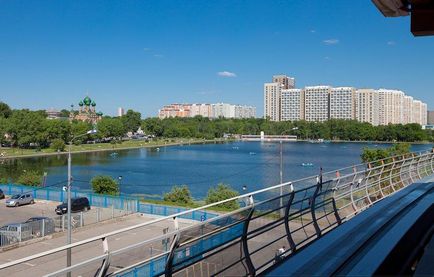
(22,213)
(55,262)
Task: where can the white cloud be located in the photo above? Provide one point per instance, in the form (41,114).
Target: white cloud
(391,42)
(226,74)
(331,41)
(146,49)
(327,58)
(312,31)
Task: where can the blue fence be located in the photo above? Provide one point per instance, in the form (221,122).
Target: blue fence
(156,267)
(105,201)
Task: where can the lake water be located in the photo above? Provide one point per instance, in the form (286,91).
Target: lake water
(150,172)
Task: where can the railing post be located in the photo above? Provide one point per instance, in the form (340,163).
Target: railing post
(286,218)
(312,204)
(250,266)
(173,247)
(368,185)
(391,175)
(410,170)
(381,178)
(417,168)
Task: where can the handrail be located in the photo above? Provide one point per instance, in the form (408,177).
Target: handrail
(398,163)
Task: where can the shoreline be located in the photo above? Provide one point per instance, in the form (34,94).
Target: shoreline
(32,155)
(114,149)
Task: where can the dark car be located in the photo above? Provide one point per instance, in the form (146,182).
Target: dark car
(78,204)
(41,225)
(2,195)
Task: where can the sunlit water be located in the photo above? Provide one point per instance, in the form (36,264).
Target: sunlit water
(151,172)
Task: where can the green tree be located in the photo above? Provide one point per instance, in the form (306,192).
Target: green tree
(103,184)
(111,128)
(220,193)
(179,195)
(30,178)
(370,154)
(5,110)
(26,129)
(131,121)
(57,144)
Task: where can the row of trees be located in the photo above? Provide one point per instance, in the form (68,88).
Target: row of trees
(334,129)
(25,128)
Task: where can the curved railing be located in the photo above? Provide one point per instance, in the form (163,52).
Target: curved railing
(243,241)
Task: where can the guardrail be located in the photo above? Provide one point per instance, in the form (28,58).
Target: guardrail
(246,241)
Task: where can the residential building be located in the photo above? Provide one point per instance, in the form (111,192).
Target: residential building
(407,108)
(272,95)
(316,103)
(430,118)
(391,106)
(203,110)
(342,103)
(207,110)
(52,114)
(175,110)
(292,104)
(284,81)
(121,111)
(367,106)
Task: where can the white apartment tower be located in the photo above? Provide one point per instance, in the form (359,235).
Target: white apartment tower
(121,111)
(342,104)
(272,94)
(285,81)
(292,104)
(203,110)
(316,103)
(391,106)
(367,106)
(407,109)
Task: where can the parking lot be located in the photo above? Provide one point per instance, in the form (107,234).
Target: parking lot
(22,213)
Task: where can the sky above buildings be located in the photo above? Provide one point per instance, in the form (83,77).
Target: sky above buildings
(144,54)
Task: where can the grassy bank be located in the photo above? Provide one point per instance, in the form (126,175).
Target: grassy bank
(97,147)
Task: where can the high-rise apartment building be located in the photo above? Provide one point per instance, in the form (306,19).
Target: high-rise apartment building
(424,116)
(342,103)
(272,95)
(292,104)
(407,108)
(391,106)
(367,106)
(430,117)
(316,103)
(121,111)
(203,110)
(285,81)
(207,110)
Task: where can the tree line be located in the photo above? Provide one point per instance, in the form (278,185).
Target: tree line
(31,129)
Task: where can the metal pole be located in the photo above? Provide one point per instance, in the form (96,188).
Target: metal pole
(68,237)
(281,178)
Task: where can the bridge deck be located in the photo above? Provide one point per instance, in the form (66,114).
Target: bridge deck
(371,242)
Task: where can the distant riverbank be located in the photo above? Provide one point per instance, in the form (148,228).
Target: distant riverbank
(15,153)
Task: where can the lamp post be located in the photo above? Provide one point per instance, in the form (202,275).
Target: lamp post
(68,195)
(281,170)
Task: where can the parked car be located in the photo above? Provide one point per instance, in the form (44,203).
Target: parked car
(41,225)
(20,199)
(2,195)
(78,204)
(15,232)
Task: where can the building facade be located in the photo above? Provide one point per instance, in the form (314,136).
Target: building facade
(342,103)
(316,103)
(284,81)
(430,117)
(86,112)
(207,110)
(367,106)
(121,111)
(292,104)
(272,95)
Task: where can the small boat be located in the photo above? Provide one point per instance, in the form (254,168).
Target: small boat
(158,149)
(114,154)
(235,148)
(307,164)
(252,153)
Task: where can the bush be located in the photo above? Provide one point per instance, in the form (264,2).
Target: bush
(3,180)
(179,195)
(222,192)
(370,155)
(104,184)
(30,178)
(57,145)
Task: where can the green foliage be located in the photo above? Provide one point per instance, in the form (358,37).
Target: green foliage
(111,128)
(131,121)
(30,178)
(5,110)
(3,180)
(57,145)
(179,194)
(370,154)
(222,192)
(104,184)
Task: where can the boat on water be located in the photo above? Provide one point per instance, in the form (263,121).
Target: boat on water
(307,164)
(114,154)
(252,153)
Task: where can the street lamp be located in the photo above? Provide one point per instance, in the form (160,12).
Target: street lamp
(281,169)
(69,234)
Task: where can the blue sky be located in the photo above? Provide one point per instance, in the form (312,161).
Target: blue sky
(144,54)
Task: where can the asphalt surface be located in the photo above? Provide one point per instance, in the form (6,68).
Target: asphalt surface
(22,213)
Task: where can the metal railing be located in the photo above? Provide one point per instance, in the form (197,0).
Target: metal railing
(244,241)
